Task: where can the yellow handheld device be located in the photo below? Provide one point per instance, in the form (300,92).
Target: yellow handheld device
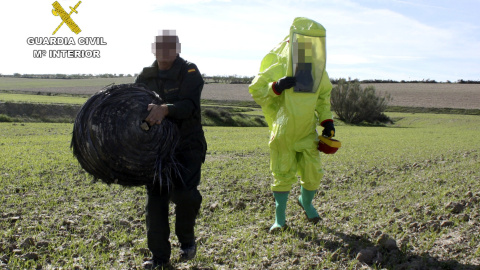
(328,145)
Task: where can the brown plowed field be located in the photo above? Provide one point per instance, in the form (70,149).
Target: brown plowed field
(431,95)
(439,95)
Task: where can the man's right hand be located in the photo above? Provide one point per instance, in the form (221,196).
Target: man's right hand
(157,114)
(284,83)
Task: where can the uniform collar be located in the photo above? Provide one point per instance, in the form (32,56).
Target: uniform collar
(172,73)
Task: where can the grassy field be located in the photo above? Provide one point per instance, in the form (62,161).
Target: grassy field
(45,99)
(59,86)
(10,83)
(415,182)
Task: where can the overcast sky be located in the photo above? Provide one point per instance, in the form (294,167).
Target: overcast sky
(366,39)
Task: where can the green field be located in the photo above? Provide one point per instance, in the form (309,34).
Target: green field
(10,83)
(398,180)
(45,99)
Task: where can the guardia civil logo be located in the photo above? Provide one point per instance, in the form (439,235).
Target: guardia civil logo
(66,47)
(59,11)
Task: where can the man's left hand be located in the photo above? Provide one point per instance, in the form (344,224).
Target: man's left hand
(157,114)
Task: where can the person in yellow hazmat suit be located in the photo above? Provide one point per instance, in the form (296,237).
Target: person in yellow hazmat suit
(293,90)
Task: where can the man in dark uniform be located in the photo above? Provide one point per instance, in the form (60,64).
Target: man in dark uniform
(179,84)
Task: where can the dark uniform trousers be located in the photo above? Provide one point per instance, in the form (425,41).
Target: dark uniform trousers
(187,200)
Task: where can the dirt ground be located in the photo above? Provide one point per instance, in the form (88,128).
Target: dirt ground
(432,95)
(461,96)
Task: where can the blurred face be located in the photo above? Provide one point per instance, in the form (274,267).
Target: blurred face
(166,49)
(303,50)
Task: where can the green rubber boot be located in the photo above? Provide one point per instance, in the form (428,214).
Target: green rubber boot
(305,201)
(281,199)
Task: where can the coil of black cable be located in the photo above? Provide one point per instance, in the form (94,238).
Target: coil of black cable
(112,142)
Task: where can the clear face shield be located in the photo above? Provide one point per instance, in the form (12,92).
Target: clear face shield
(308,59)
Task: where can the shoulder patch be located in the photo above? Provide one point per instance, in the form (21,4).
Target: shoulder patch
(191,70)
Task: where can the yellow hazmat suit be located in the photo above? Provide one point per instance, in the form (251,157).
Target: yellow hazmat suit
(293,115)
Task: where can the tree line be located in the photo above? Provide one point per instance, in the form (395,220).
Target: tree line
(67,76)
(460,81)
(231,79)
(227,79)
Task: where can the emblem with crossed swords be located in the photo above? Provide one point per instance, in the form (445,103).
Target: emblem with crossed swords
(59,11)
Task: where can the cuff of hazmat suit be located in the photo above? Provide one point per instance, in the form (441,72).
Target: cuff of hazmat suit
(325,121)
(274,90)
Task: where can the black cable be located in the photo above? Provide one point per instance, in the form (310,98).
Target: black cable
(110,144)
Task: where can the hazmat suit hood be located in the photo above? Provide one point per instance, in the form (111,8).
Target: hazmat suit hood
(282,61)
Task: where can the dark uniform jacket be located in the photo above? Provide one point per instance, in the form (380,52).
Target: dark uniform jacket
(180,87)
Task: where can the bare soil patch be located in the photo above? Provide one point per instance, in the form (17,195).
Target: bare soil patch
(426,95)
(214,91)
(439,95)
(432,95)
(75,90)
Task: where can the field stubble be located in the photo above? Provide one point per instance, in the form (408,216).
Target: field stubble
(415,184)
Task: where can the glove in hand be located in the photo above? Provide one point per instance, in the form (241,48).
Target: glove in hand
(328,127)
(285,83)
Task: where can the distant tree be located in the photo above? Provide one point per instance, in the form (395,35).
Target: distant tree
(354,104)
(461,81)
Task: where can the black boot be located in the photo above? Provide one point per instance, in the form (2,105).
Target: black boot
(188,253)
(155,264)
